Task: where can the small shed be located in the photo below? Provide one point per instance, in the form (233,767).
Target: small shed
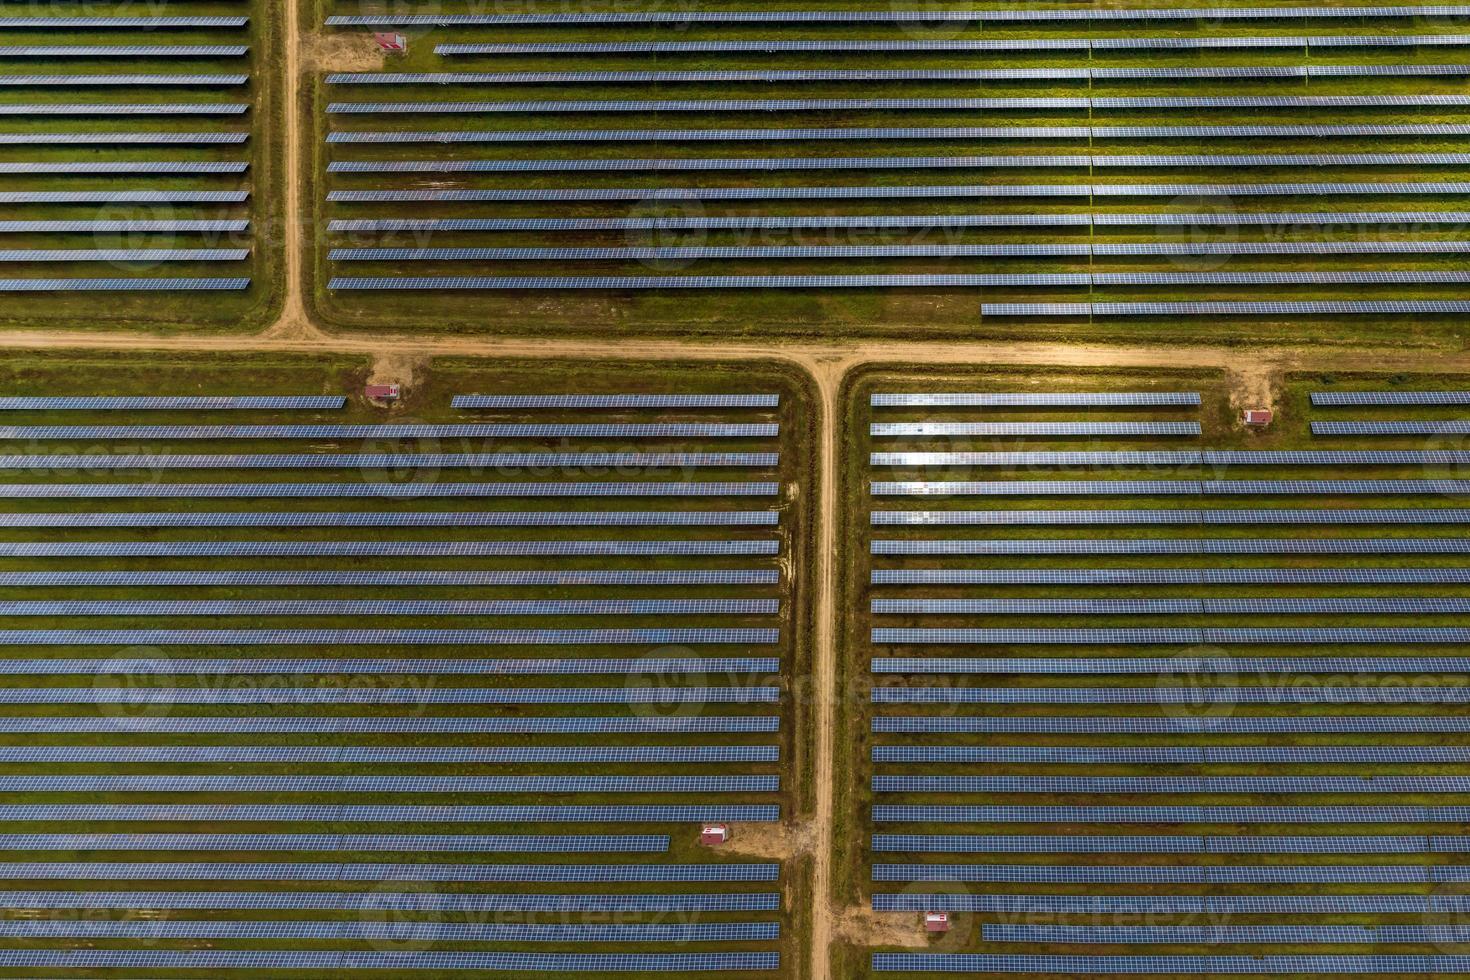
(714,834)
(391,43)
(936,922)
(381,393)
(1257,418)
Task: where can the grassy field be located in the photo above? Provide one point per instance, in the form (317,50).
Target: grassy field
(242,310)
(899,931)
(928,313)
(426,400)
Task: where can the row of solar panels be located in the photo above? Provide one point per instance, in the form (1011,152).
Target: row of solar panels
(879,429)
(1096,607)
(709,488)
(478,518)
(387,461)
(1172,875)
(349,962)
(1078,44)
(1123,636)
(333,755)
(338,725)
(1290,308)
(1317,131)
(1436,427)
(888,74)
(125,255)
(1164,755)
(374,902)
(1051,784)
(617,401)
(1224,815)
(1211,935)
(1165,487)
(1165,844)
(658,165)
(1126,516)
(128,23)
(123,109)
(355,637)
(408,872)
(155,929)
(1260,666)
(301,783)
(464,549)
(124,50)
(93,403)
(652,665)
(852,192)
(679,253)
(1167,725)
(1227,308)
(113,285)
(1387,694)
(275,697)
(128,80)
(1333,398)
(1096,965)
(962,546)
(383,813)
(568,577)
(1207,457)
(999,103)
(1017,13)
(1169,576)
(425,607)
(470,430)
(1010,399)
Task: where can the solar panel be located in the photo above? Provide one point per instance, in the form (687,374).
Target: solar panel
(118,285)
(93,403)
(1151,874)
(733,576)
(357,637)
(896,133)
(98,23)
(1164,607)
(405,607)
(1077,44)
(383,695)
(1173,725)
(1168,576)
(318,871)
(121,80)
(154,929)
(1270,965)
(331,754)
(418,549)
(376,901)
(1143,844)
(397,665)
(1171,695)
(122,139)
(113,197)
(124,255)
(381,813)
(1225,815)
(696,282)
(123,108)
(617,401)
(1274,515)
(1229,308)
(492,843)
(881,429)
(1131,546)
(231,461)
(1157,904)
(1033,488)
(1089,399)
(402,490)
(1332,398)
(477,430)
(353,961)
(1168,755)
(1192,935)
(299,783)
(1433,427)
(1175,457)
(686,18)
(123,51)
(479,518)
(1169,635)
(1163,784)
(634,724)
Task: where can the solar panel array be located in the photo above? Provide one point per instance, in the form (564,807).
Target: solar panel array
(80,105)
(1160,782)
(265,721)
(739,99)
